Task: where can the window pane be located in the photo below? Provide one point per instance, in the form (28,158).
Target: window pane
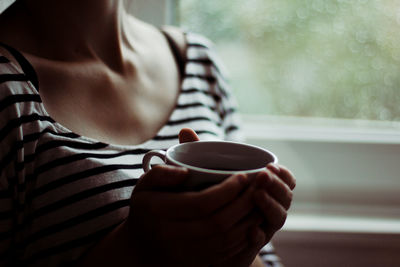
(338,58)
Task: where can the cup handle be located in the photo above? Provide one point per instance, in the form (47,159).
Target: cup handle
(153,153)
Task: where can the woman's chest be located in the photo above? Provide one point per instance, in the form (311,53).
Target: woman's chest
(113,108)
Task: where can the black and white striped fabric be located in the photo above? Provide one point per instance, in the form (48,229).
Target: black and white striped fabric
(61,192)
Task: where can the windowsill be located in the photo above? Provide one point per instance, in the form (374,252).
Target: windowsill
(320,129)
(347,171)
(341,224)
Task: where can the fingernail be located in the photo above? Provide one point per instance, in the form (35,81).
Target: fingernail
(257,235)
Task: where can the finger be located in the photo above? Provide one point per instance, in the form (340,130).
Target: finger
(211,199)
(210,235)
(221,258)
(275,187)
(241,232)
(247,255)
(193,205)
(187,135)
(224,244)
(193,237)
(257,237)
(236,210)
(225,259)
(161,178)
(283,173)
(274,214)
(227,241)
(288,176)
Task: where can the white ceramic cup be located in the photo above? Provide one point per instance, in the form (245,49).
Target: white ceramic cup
(210,162)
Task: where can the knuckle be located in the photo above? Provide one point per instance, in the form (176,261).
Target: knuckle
(281,220)
(261,238)
(155,171)
(290,195)
(291,179)
(289,201)
(294,182)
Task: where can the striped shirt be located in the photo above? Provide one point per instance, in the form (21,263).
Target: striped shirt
(61,192)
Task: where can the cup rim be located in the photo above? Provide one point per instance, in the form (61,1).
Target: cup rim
(213,171)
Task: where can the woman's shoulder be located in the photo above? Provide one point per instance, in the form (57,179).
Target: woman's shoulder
(200,47)
(8,64)
(178,35)
(198,40)
(16,74)
(186,38)
(202,50)
(10,75)
(18,95)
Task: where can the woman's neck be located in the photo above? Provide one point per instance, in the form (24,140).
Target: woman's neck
(73,30)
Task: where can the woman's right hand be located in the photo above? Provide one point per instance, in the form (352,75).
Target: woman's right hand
(189,228)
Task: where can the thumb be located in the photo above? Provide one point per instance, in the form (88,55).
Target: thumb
(162,178)
(187,135)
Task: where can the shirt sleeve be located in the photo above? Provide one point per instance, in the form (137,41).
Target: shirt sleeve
(227,105)
(7,170)
(13,207)
(269,257)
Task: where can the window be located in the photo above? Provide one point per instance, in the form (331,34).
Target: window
(308,58)
(336,62)
(326,60)
(328,73)
(318,83)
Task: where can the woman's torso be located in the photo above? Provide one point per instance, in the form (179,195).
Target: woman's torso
(60,191)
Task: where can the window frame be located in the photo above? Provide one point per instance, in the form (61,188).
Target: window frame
(156,12)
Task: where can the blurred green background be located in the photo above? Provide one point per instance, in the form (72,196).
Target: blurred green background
(337,59)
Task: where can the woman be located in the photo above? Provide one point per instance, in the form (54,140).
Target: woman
(85,91)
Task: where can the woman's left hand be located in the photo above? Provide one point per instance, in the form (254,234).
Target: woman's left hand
(273,197)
